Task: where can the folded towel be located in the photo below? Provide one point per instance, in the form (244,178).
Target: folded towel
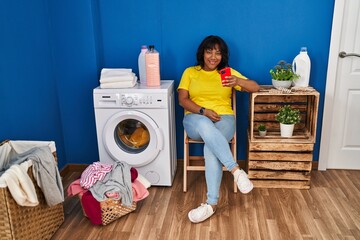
(119,78)
(116,75)
(127,84)
(118,70)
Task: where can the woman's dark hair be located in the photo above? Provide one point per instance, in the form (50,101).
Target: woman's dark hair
(209,43)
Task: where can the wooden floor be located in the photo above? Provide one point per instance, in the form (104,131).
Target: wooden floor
(329,210)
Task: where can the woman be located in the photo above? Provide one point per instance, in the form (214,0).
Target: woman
(209,116)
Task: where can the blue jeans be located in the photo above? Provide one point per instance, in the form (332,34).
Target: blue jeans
(217,153)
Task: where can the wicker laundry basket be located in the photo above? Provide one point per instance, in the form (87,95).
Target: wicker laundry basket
(18,222)
(111,210)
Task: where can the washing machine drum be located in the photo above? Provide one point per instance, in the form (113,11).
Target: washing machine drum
(132,137)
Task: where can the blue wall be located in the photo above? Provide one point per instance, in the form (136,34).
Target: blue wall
(52,53)
(28,93)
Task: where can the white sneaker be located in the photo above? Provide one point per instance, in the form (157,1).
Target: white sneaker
(243,182)
(203,212)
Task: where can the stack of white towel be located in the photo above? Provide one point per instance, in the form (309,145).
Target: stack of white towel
(117,78)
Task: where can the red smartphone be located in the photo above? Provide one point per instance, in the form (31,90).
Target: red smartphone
(225,72)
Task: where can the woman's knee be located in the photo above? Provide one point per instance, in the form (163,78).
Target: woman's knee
(227,126)
(196,125)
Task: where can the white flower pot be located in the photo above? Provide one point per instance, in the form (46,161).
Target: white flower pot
(286,130)
(281,84)
(262,133)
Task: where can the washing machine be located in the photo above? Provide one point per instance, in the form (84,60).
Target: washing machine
(137,126)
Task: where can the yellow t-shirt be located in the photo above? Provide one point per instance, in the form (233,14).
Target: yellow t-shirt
(206,90)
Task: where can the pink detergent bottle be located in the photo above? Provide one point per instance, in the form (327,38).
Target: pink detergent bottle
(152,62)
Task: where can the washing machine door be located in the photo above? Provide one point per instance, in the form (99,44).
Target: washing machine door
(133,137)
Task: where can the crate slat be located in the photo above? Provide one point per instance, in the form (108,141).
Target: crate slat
(282,165)
(281,184)
(279,175)
(270,117)
(265,97)
(263,107)
(260,146)
(280,156)
(272,137)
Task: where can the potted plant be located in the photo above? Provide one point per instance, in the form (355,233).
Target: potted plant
(288,117)
(283,75)
(262,130)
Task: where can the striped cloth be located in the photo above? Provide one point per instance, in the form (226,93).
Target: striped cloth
(93,173)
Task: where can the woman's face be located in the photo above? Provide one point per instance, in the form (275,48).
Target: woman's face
(212,58)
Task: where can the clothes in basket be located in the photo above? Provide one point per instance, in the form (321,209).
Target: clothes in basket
(112,193)
(27,222)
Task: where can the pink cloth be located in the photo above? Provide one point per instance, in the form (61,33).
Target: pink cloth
(114,195)
(139,191)
(75,188)
(93,173)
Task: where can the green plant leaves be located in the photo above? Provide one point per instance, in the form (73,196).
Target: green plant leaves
(288,115)
(283,72)
(262,127)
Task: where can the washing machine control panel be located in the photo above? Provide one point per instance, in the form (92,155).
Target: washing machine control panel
(133,100)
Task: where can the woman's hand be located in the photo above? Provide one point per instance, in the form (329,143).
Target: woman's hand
(230,81)
(213,116)
(246,84)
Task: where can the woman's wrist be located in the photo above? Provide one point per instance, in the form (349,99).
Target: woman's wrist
(238,81)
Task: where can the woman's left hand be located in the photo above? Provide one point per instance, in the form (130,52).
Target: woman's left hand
(245,84)
(230,81)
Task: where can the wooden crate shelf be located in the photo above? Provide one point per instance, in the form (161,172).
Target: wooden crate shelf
(264,105)
(274,161)
(279,165)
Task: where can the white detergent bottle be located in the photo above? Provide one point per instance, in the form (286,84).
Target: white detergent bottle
(141,63)
(301,65)
(152,62)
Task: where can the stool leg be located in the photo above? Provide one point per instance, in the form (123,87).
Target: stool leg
(186,163)
(233,151)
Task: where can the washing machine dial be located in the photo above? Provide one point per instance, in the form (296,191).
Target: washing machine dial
(129,101)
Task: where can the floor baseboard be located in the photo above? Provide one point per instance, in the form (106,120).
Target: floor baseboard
(81,167)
